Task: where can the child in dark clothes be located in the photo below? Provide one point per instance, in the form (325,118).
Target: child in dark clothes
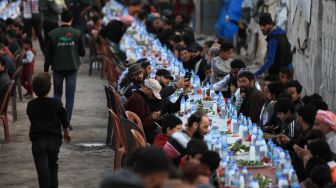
(47,117)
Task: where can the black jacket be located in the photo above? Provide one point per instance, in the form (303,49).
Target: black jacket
(47,116)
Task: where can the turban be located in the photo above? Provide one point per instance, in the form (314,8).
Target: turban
(327,117)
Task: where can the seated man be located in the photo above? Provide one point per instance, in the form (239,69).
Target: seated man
(164,105)
(194,151)
(284,108)
(170,124)
(199,60)
(4,78)
(223,85)
(197,127)
(138,103)
(251,99)
(135,80)
(285,75)
(10,67)
(294,88)
(152,165)
(274,90)
(326,122)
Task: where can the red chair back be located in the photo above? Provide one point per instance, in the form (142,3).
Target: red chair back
(5,99)
(134,118)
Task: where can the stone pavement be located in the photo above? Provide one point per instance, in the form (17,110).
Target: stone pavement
(79,165)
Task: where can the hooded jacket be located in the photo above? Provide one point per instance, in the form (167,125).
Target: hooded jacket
(278,52)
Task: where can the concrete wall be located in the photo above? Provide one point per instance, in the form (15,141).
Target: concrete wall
(207,12)
(315,67)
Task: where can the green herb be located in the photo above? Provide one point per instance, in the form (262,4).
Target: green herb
(263,181)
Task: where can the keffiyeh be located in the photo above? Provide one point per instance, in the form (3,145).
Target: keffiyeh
(327,117)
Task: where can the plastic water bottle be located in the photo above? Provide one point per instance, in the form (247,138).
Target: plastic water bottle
(241,131)
(212,92)
(218,146)
(214,107)
(188,106)
(223,111)
(254,184)
(241,181)
(263,151)
(245,131)
(257,146)
(234,125)
(183,105)
(224,150)
(249,121)
(283,183)
(252,154)
(220,98)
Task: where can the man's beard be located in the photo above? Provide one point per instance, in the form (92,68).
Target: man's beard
(198,134)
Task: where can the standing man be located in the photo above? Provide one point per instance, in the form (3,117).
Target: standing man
(278,47)
(64,47)
(32,19)
(50,11)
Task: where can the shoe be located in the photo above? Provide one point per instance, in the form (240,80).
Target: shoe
(29,96)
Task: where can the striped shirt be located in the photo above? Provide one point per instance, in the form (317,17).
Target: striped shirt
(177,144)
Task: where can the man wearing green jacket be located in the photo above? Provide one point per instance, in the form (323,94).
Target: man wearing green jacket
(63,51)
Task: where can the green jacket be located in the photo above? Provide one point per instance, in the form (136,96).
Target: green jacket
(64,47)
(50,10)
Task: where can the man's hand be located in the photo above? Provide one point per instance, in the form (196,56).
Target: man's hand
(283,139)
(67,137)
(301,152)
(180,83)
(156,115)
(268,136)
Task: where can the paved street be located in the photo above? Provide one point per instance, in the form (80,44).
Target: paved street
(79,166)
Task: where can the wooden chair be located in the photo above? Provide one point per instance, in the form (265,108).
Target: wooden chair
(17,83)
(3,110)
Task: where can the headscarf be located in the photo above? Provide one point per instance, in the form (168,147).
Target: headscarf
(327,117)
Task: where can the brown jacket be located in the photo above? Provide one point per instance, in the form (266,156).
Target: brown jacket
(252,104)
(138,103)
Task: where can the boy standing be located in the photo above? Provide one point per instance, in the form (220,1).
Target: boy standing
(220,66)
(28,61)
(47,116)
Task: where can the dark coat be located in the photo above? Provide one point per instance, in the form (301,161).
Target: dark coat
(252,104)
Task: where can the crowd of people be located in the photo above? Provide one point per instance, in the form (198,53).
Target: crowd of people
(178,155)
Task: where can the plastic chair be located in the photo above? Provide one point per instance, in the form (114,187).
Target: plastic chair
(17,82)
(94,55)
(140,140)
(18,74)
(3,110)
(121,150)
(134,118)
